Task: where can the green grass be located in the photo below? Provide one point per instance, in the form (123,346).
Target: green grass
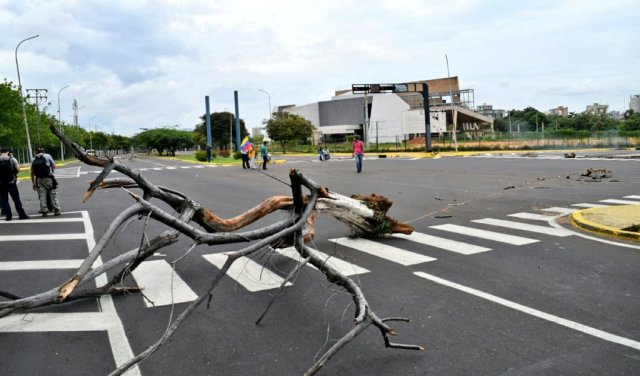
(192,158)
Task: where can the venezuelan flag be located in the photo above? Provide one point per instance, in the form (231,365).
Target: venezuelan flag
(244,146)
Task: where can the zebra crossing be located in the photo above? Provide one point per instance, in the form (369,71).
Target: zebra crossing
(254,276)
(165,286)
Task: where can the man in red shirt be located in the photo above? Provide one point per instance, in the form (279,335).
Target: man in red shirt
(358,152)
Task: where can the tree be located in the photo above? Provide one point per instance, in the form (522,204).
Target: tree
(288,127)
(162,139)
(631,122)
(220,122)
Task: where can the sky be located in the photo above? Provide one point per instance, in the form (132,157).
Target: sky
(134,64)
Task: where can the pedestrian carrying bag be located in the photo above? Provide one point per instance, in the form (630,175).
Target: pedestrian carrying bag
(6,172)
(40,168)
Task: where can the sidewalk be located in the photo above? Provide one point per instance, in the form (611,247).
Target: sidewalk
(617,220)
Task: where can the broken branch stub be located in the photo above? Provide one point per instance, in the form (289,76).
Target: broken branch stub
(365,215)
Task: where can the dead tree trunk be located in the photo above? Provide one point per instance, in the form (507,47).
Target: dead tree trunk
(365,215)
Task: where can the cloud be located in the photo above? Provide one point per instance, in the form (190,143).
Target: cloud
(143,64)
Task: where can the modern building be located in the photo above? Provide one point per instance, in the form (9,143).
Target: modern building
(394,117)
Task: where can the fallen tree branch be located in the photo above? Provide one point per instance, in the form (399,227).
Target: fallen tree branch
(364,215)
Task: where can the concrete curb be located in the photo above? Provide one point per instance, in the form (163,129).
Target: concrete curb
(606,220)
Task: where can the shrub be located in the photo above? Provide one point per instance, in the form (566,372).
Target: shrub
(237,155)
(201,155)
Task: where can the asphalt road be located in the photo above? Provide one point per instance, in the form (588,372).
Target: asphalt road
(495,280)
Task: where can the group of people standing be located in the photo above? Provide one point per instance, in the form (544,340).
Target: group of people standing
(42,179)
(248,153)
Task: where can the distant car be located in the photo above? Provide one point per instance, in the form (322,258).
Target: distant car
(92,153)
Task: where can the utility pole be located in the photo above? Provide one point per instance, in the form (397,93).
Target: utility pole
(60,122)
(40,96)
(24,111)
(454,114)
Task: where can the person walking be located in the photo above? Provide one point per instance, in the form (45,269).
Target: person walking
(9,168)
(244,152)
(252,156)
(45,183)
(358,152)
(264,152)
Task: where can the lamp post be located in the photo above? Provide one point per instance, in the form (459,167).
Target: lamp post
(269,96)
(60,121)
(24,111)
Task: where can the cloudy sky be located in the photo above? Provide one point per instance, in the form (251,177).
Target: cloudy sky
(143,64)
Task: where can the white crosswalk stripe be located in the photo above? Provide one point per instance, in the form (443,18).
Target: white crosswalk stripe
(484,234)
(248,273)
(560,211)
(443,243)
(157,278)
(344,267)
(533,216)
(588,205)
(525,227)
(397,255)
(621,202)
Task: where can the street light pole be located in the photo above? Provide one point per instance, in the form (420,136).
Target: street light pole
(24,111)
(269,96)
(60,121)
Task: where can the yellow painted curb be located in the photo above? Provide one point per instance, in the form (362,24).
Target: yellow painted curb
(578,219)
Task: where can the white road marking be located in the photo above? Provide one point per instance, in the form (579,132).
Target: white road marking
(157,278)
(534,312)
(54,322)
(621,202)
(387,252)
(340,265)
(587,205)
(40,264)
(443,243)
(525,227)
(248,273)
(120,347)
(561,211)
(484,234)
(107,319)
(21,238)
(633,197)
(533,216)
(39,219)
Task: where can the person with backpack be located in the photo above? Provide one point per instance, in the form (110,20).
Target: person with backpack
(45,183)
(9,168)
